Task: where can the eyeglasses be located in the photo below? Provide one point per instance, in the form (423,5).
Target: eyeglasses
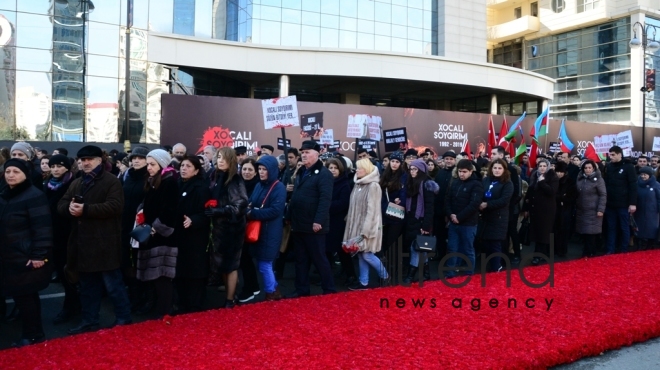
(414,169)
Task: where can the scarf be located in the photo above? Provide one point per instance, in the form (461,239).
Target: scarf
(55,184)
(88,178)
(419,212)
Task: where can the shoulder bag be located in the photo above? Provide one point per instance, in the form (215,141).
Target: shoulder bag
(424,243)
(394,210)
(253,227)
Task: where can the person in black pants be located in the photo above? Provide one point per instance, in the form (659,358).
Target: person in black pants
(191,235)
(55,188)
(443,179)
(566,196)
(250,281)
(309,216)
(26,242)
(341,194)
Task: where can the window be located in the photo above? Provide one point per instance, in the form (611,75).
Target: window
(517,12)
(534,9)
(558,5)
(184,17)
(585,5)
(509,54)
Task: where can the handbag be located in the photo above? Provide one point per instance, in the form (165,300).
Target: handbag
(141,233)
(634,229)
(523,232)
(424,243)
(253,227)
(394,210)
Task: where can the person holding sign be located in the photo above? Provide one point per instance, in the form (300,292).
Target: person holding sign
(621,184)
(309,216)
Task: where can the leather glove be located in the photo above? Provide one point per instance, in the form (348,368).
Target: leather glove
(216,212)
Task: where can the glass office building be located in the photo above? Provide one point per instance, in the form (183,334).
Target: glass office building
(63,67)
(592,69)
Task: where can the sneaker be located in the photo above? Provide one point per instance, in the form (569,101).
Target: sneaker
(358,286)
(245,297)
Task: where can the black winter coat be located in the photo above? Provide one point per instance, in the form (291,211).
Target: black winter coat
(566,193)
(229,232)
(192,260)
(95,240)
(443,178)
(621,184)
(61,225)
(495,217)
(341,195)
(160,204)
(25,234)
(463,199)
(311,198)
(541,204)
(134,192)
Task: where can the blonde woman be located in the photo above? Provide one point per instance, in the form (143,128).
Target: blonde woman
(365,219)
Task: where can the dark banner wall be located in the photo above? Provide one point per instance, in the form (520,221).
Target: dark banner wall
(197,121)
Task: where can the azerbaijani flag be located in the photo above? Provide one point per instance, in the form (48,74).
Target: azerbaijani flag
(516,125)
(540,125)
(522,150)
(566,144)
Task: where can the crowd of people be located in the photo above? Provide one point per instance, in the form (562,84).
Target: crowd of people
(154,228)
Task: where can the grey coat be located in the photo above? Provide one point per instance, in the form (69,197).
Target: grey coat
(592,197)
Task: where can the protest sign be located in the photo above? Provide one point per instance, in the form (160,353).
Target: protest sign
(367,144)
(603,143)
(364,126)
(624,139)
(395,139)
(554,147)
(280,143)
(335,146)
(280,112)
(328,137)
(656,143)
(311,125)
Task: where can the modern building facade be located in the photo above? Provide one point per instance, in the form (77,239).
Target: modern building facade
(62,76)
(585,46)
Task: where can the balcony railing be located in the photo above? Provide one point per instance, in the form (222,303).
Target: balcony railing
(514,29)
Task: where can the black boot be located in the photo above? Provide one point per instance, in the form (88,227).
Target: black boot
(427,272)
(411,276)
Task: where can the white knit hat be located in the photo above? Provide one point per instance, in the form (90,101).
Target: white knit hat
(161,157)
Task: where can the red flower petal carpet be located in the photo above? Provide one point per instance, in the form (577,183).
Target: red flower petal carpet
(595,305)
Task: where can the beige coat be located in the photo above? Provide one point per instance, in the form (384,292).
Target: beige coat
(364,213)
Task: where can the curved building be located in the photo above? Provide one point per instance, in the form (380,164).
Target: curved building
(68,60)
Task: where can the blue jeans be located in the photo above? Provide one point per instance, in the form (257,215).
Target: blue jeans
(91,292)
(367,259)
(618,220)
(266,271)
(461,240)
(414,257)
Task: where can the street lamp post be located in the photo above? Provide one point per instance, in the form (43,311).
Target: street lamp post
(652,46)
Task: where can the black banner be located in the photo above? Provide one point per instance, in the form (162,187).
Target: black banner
(334,147)
(395,139)
(311,125)
(554,147)
(280,143)
(367,144)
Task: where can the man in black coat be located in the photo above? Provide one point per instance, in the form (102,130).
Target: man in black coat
(309,216)
(443,178)
(94,205)
(621,184)
(462,206)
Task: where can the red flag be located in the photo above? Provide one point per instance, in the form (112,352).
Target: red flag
(504,130)
(512,149)
(466,149)
(590,153)
(491,136)
(532,157)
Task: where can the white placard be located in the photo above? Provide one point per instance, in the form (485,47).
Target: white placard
(280,112)
(603,143)
(624,139)
(328,137)
(364,126)
(627,152)
(656,144)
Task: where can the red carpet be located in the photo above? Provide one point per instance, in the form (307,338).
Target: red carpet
(597,305)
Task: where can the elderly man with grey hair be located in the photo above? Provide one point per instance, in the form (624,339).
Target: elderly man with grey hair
(179,150)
